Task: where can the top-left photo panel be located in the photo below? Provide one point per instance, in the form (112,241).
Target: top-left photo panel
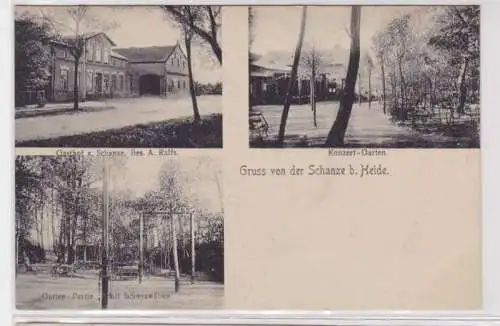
(118,76)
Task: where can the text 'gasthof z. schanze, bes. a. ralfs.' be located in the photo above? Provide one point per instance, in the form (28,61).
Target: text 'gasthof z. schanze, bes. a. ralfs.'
(118,76)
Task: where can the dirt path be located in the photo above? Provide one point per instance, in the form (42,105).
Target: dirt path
(368,127)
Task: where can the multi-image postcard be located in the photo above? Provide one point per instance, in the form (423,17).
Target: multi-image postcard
(247,158)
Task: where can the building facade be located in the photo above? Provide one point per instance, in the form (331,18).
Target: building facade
(269,83)
(105,71)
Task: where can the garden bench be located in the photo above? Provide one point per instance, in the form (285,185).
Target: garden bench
(419,116)
(127,272)
(258,123)
(62,270)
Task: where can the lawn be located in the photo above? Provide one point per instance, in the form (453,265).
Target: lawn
(174,133)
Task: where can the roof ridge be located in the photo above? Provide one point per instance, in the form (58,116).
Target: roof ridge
(146,47)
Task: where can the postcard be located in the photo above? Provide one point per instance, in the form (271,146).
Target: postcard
(344,176)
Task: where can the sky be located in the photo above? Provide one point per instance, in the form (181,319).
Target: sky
(137,26)
(326,26)
(141,175)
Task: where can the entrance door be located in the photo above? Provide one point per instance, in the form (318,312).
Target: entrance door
(98,84)
(106,89)
(150,85)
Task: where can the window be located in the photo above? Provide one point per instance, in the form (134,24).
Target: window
(106,83)
(90,51)
(98,82)
(90,78)
(184,84)
(121,83)
(64,78)
(183,64)
(178,84)
(106,55)
(97,56)
(113,83)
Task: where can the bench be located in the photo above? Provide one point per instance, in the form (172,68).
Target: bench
(258,123)
(127,272)
(62,270)
(419,116)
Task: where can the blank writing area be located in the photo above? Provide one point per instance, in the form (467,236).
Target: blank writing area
(409,240)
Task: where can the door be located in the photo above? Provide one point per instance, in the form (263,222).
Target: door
(98,84)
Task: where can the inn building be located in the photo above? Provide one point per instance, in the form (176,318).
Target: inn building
(269,81)
(106,71)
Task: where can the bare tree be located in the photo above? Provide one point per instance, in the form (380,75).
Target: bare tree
(337,132)
(206,23)
(359,88)
(188,36)
(380,44)
(311,62)
(369,68)
(293,77)
(79,16)
(399,33)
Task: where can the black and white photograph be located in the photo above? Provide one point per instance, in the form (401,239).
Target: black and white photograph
(364,76)
(119,233)
(118,76)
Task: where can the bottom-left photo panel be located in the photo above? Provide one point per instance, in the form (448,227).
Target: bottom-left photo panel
(125,231)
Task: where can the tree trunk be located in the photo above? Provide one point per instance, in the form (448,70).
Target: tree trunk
(67,233)
(192,91)
(359,89)
(52,220)
(402,90)
(176,254)
(60,245)
(463,87)
(217,50)
(75,85)
(313,92)
(193,253)
(337,132)
(383,84)
(293,77)
(26,258)
(85,240)
(42,229)
(35,218)
(369,88)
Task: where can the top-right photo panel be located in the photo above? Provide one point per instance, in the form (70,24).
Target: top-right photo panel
(364,76)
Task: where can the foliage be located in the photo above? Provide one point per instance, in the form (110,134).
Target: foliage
(32,56)
(433,64)
(175,133)
(208,89)
(458,31)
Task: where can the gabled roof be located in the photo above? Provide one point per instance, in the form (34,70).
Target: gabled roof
(147,54)
(117,55)
(65,39)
